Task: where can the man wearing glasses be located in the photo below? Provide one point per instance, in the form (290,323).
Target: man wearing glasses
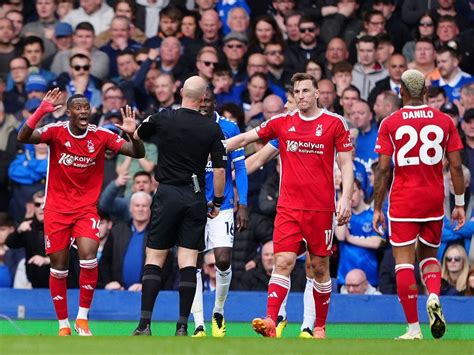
(307,48)
(81,83)
(206,62)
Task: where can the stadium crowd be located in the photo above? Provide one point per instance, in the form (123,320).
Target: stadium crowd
(140,52)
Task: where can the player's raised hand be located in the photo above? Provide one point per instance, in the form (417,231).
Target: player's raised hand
(343,211)
(459,215)
(50,101)
(129,124)
(378,221)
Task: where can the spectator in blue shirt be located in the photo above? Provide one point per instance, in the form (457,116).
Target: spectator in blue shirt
(358,241)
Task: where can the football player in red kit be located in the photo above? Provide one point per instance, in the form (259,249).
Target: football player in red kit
(417,137)
(74,180)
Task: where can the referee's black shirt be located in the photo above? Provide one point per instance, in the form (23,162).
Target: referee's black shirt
(185,140)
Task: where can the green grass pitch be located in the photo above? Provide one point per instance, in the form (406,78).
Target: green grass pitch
(112,338)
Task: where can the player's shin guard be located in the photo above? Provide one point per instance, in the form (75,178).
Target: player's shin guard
(87,283)
(197,307)
(58,289)
(187,290)
(322,297)
(407,291)
(223,279)
(151,284)
(430,271)
(277,290)
(309,315)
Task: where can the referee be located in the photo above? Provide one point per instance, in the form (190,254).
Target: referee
(179,210)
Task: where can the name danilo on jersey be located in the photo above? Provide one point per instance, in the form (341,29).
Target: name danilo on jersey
(417,114)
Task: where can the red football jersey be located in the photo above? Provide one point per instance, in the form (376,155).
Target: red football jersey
(417,138)
(307,151)
(76,165)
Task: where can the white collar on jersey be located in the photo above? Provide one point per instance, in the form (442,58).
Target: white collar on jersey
(79,137)
(415,107)
(304,118)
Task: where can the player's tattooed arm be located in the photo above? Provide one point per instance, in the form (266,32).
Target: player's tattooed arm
(382,177)
(135,147)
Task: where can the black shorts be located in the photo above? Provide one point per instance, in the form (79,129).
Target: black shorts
(178,217)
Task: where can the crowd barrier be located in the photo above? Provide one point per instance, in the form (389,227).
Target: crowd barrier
(240,306)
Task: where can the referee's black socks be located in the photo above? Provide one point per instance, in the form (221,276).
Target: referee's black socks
(187,289)
(151,284)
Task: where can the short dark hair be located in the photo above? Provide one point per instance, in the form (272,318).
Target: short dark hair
(384,38)
(85,26)
(351,88)
(342,67)
(141,173)
(307,19)
(130,3)
(234,110)
(74,97)
(447,18)
(443,49)
(6,220)
(304,76)
(371,13)
(222,69)
(32,40)
(425,40)
(80,56)
(172,12)
(434,91)
(369,39)
(126,52)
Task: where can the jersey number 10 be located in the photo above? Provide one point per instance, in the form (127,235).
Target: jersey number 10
(428,144)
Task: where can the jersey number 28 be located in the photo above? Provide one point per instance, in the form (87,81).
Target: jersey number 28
(428,144)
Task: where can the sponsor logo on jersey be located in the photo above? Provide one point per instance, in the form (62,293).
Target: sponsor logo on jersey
(417,114)
(76,160)
(319,130)
(304,147)
(90,146)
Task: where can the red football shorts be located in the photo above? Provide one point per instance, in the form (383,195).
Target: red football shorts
(61,229)
(406,233)
(293,228)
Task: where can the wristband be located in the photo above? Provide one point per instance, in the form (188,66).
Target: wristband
(459,200)
(44,108)
(218,201)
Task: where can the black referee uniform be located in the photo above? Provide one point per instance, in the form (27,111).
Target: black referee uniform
(186,139)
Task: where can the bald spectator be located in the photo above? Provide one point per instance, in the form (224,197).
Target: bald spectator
(83,43)
(272,106)
(336,52)
(121,264)
(238,20)
(397,64)
(7,49)
(96,12)
(367,71)
(169,59)
(361,116)
(452,77)
(275,57)
(121,40)
(327,94)
(356,284)
(386,103)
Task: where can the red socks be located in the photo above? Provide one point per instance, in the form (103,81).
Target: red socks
(431,274)
(407,291)
(322,297)
(87,281)
(58,289)
(278,288)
